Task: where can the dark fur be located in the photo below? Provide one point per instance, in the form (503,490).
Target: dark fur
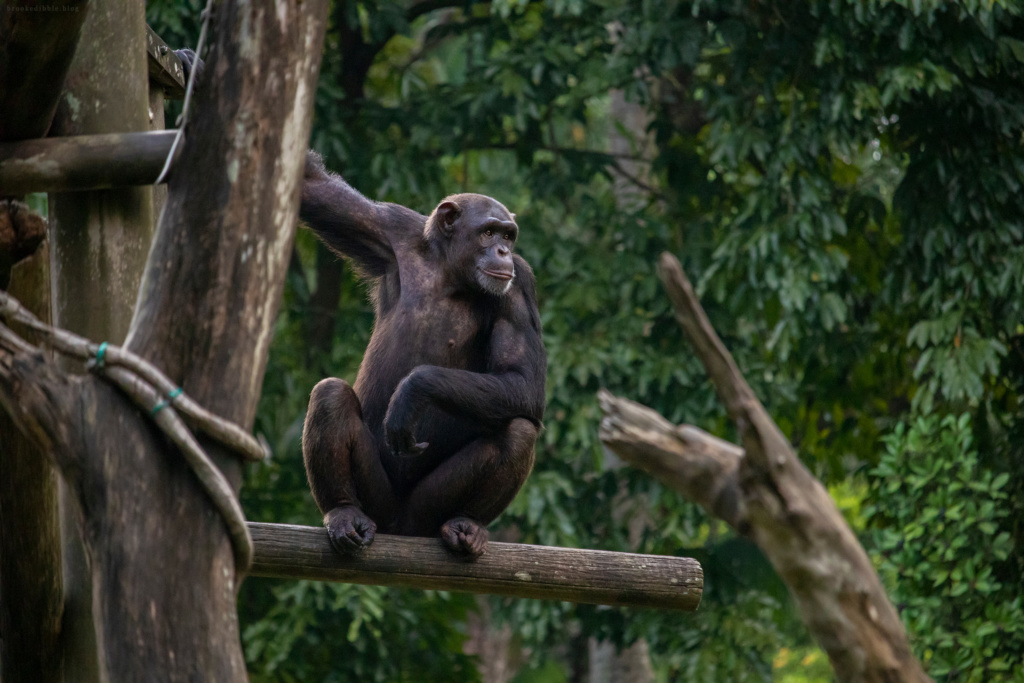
(438,433)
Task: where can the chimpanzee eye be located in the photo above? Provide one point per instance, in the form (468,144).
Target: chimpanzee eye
(488,233)
(506,236)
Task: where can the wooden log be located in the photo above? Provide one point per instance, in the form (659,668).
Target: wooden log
(83,162)
(594,577)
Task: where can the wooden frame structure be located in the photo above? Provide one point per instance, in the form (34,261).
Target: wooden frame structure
(124,160)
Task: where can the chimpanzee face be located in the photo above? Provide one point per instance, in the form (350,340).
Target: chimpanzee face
(480,233)
(495,269)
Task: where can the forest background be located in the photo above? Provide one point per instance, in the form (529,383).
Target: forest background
(843,181)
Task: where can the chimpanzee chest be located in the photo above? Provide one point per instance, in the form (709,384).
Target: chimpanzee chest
(424,325)
(444,331)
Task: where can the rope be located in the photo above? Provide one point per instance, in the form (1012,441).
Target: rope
(188,94)
(141,382)
(166,402)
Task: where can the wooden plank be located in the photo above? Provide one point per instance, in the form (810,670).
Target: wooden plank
(165,70)
(84,162)
(517,570)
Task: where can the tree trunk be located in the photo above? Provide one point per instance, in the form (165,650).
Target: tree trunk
(163,575)
(498,653)
(609,665)
(764,492)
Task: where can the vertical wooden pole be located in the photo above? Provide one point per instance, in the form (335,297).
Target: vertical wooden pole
(31,595)
(37,49)
(98,242)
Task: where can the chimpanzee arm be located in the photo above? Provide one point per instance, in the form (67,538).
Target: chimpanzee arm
(365,231)
(513,386)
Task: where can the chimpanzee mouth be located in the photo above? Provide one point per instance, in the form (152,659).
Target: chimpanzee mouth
(496,282)
(499,274)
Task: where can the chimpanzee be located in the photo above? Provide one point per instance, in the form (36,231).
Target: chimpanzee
(438,433)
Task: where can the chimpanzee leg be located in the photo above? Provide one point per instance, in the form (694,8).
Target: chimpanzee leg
(343,466)
(468,490)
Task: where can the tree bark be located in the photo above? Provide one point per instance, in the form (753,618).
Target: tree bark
(766,493)
(162,569)
(608,664)
(498,653)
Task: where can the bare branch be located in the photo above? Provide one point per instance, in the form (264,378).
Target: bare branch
(619,168)
(732,388)
(778,504)
(83,162)
(702,467)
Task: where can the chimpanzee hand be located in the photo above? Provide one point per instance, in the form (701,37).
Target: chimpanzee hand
(349,529)
(401,419)
(465,537)
(190,61)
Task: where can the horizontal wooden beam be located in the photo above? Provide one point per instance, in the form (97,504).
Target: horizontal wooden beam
(84,162)
(165,70)
(523,571)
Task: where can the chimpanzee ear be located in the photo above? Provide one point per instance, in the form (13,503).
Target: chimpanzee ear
(446,214)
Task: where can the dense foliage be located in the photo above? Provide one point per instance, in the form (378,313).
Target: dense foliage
(941,520)
(842,179)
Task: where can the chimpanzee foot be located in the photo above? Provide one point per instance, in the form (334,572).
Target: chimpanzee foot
(349,529)
(465,537)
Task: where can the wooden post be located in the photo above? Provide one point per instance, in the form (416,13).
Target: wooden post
(98,245)
(31,590)
(163,573)
(37,49)
(99,240)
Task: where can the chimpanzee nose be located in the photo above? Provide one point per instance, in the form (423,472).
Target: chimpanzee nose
(503,250)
